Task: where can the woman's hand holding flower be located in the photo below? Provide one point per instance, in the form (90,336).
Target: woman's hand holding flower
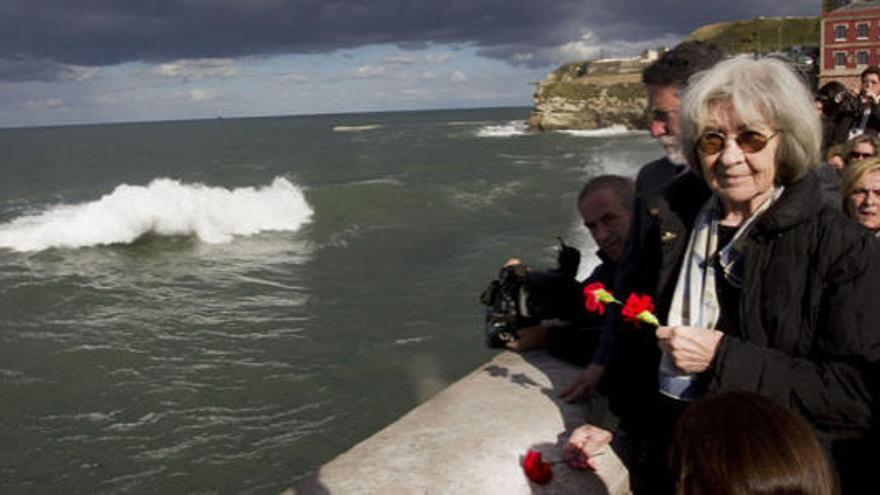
(691,349)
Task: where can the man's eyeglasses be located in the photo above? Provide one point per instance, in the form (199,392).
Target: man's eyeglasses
(855,155)
(713,142)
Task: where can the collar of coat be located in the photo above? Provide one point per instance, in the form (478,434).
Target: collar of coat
(800,201)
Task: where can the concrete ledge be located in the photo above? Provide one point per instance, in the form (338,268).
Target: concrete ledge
(471,437)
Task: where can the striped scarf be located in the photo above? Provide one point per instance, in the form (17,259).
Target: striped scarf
(695,302)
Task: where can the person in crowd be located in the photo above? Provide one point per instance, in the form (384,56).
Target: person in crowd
(742,442)
(868,115)
(835,157)
(861,147)
(760,286)
(605,205)
(665,81)
(837,108)
(861,193)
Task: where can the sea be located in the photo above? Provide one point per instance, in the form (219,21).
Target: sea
(221,306)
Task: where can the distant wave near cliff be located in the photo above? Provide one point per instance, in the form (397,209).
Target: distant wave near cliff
(164,207)
(615,130)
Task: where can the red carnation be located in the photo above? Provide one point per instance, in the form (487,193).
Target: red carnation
(596,297)
(640,308)
(537,469)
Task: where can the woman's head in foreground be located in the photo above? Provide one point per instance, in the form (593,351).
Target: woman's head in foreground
(744,443)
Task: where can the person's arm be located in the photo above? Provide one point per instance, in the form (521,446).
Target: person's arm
(586,382)
(592,375)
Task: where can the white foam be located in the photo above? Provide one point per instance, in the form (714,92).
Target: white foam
(615,130)
(355,128)
(163,207)
(465,123)
(512,128)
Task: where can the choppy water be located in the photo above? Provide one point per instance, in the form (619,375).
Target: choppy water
(222,306)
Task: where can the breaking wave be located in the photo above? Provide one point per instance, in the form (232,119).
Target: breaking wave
(164,207)
(615,130)
(355,128)
(512,128)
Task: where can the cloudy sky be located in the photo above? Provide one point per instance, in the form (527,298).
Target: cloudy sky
(84,61)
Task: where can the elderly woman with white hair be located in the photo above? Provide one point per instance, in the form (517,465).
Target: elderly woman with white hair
(762,287)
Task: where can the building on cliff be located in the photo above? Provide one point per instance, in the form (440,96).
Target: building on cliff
(850,41)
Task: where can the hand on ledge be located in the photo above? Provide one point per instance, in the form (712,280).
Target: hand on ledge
(585,383)
(584,445)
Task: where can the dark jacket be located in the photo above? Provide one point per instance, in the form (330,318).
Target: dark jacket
(576,342)
(810,320)
(835,128)
(652,177)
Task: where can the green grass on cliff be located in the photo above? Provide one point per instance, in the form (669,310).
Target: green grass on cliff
(762,35)
(581,91)
(627,91)
(571,91)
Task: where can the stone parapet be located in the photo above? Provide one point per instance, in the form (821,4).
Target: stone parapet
(471,437)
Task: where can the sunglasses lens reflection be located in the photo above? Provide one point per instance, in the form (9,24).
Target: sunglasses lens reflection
(710,143)
(749,141)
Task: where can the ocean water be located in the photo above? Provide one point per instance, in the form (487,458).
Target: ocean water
(222,306)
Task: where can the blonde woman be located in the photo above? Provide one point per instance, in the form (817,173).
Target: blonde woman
(860,187)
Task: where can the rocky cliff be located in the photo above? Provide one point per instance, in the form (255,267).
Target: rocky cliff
(602,93)
(591,95)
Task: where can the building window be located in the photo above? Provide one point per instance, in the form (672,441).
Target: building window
(840,32)
(839,59)
(862,31)
(862,58)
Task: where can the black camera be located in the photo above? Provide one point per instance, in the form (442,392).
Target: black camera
(521,297)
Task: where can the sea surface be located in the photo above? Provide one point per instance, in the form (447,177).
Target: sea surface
(222,306)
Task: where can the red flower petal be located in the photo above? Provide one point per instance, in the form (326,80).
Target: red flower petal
(592,300)
(635,305)
(536,469)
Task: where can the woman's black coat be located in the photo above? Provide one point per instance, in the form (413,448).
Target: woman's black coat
(809,311)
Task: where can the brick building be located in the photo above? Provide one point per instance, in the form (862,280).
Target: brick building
(850,41)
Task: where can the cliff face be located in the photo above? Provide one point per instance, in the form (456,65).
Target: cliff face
(602,93)
(591,95)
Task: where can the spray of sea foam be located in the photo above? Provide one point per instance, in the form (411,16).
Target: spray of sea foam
(164,207)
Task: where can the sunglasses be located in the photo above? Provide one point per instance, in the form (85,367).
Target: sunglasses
(713,142)
(855,155)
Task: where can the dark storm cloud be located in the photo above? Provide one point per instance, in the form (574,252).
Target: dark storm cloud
(105,32)
(28,69)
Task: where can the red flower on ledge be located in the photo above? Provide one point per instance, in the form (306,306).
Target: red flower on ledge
(536,468)
(597,296)
(640,309)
